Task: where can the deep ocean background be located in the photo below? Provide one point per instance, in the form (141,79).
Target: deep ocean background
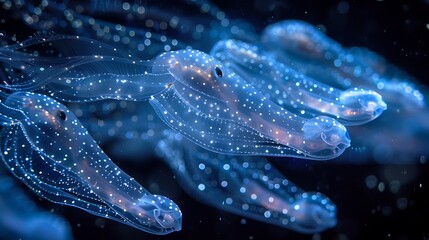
(397,30)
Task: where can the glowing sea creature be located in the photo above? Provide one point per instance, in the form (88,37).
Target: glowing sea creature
(308,50)
(305,48)
(45,146)
(293,90)
(218,110)
(247,186)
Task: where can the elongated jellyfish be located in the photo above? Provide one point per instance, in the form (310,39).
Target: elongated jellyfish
(247,186)
(45,146)
(218,110)
(295,91)
(307,49)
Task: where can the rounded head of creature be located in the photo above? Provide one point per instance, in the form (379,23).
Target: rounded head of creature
(166,215)
(47,124)
(325,137)
(362,105)
(40,110)
(313,212)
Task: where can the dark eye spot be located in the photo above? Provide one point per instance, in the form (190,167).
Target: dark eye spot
(218,71)
(61,115)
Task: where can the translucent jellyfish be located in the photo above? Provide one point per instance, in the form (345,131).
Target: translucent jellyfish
(217,109)
(307,49)
(295,91)
(45,146)
(247,186)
